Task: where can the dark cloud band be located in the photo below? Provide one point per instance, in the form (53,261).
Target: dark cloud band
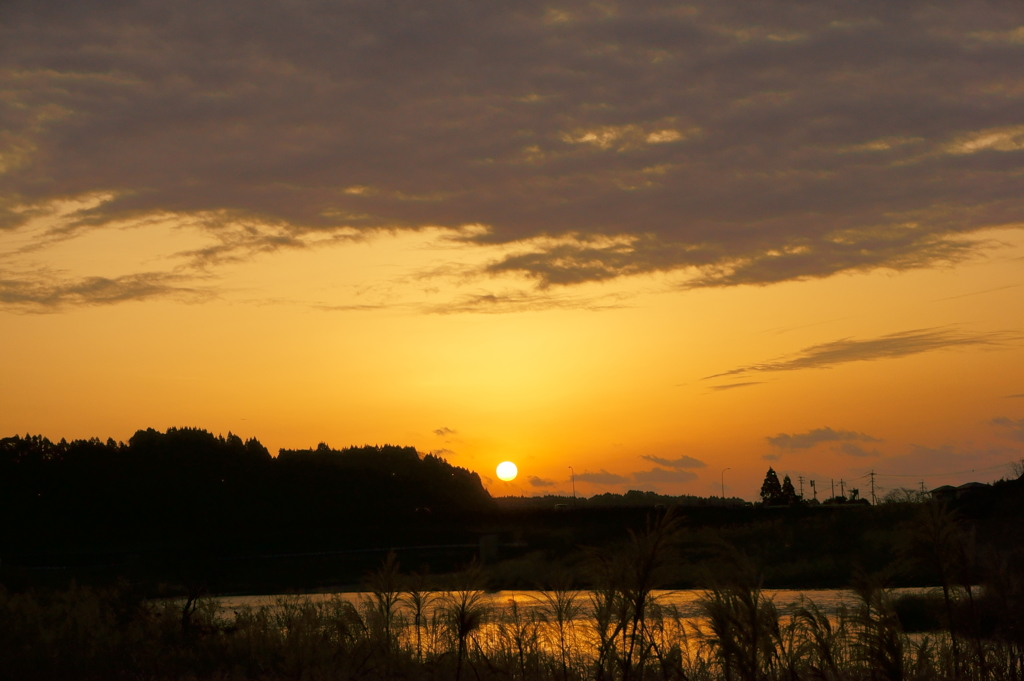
(736,143)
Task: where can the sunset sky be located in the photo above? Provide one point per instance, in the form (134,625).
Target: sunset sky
(646,240)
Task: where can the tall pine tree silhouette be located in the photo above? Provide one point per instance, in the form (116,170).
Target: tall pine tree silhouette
(771,490)
(788,493)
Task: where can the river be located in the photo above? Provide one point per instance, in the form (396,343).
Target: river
(687,601)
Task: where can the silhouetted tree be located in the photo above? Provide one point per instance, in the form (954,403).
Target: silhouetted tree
(187,492)
(904,495)
(788,495)
(771,489)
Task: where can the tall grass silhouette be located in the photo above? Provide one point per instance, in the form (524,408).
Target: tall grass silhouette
(619,629)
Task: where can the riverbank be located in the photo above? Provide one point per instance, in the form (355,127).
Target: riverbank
(397,631)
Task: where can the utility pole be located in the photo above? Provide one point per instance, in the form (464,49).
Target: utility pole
(842,488)
(833,488)
(801,478)
(815,490)
(874,502)
(922,487)
(723,485)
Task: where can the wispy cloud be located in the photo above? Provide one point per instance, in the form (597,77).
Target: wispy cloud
(981,293)
(731,386)
(816,436)
(355,307)
(661,475)
(860,249)
(441,432)
(40,292)
(601,477)
(1009,138)
(535,481)
(668,474)
(522,301)
(1011,428)
(890,346)
(679,462)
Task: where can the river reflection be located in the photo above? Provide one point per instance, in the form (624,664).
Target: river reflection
(685,601)
(515,622)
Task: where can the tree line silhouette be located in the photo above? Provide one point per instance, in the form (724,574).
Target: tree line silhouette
(191,490)
(188,508)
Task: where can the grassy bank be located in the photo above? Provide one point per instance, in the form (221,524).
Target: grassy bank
(407,627)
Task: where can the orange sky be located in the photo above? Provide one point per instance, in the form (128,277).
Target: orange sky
(807,258)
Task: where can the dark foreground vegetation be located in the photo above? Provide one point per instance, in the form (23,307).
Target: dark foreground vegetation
(407,627)
(186,512)
(110,552)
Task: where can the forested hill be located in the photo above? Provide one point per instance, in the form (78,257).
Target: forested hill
(188,486)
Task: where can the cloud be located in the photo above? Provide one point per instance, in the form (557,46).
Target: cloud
(680,462)
(852,449)
(540,482)
(858,249)
(661,475)
(441,432)
(657,475)
(809,140)
(1010,138)
(523,301)
(890,346)
(368,307)
(730,386)
(1012,428)
(945,463)
(981,293)
(1014,396)
(815,436)
(1015,35)
(601,477)
(443,452)
(43,292)
(241,242)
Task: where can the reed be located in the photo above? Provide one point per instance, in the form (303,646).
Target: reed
(743,622)
(406,628)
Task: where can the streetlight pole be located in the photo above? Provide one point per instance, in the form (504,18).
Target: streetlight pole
(723,485)
(573,474)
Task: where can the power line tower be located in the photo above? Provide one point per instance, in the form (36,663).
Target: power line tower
(874,501)
(801,479)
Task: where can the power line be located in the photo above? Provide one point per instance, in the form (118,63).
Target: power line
(932,475)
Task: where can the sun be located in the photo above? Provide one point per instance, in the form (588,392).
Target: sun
(507,471)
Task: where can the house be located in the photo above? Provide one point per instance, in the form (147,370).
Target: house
(944,493)
(949,493)
(970,488)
